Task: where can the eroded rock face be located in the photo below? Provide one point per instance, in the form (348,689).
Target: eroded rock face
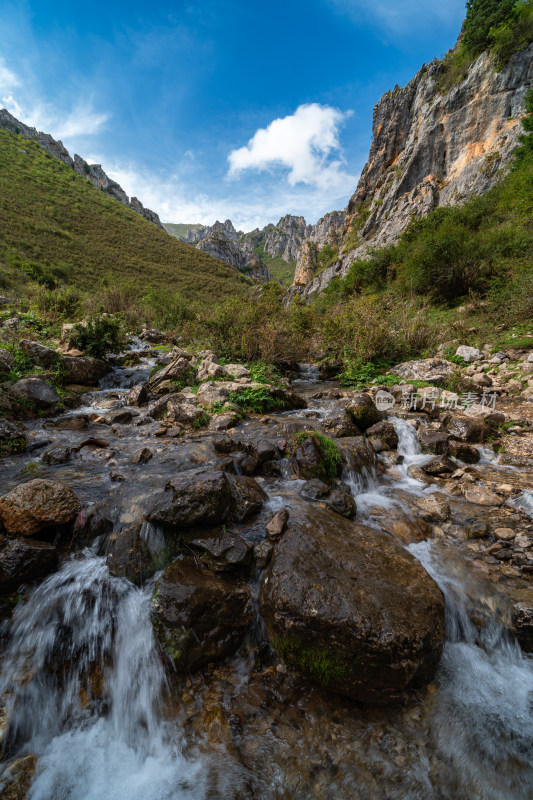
(350,608)
(38,504)
(430,150)
(199,617)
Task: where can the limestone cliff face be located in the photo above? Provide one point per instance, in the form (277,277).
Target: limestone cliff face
(429,150)
(219,246)
(92,172)
(286,238)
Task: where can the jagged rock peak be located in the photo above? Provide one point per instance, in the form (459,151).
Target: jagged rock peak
(92,172)
(428,150)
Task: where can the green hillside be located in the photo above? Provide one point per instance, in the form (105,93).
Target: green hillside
(179,229)
(56,227)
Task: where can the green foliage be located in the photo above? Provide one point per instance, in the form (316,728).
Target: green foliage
(99,337)
(359,375)
(261,372)
(201,422)
(483,16)
(256,399)
(524,152)
(327,256)
(331,458)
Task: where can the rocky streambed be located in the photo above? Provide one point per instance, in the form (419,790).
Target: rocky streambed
(323,601)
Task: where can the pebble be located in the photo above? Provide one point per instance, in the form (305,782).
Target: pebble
(505,534)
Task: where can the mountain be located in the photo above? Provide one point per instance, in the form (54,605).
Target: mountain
(92,172)
(58,228)
(433,145)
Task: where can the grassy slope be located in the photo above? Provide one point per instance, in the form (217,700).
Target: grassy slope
(179,229)
(53,219)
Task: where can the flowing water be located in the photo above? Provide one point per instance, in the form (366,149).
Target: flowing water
(85,691)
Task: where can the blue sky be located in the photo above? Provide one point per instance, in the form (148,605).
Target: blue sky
(222,108)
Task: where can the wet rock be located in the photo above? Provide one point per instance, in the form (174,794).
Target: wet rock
(467,429)
(481,496)
(17,777)
(199,617)
(277,524)
(309,459)
(432,370)
(469,354)
(288,428)
(39,354)
(193,498)
(56,455)
(12,439)
(90,442)
(263,553)
(37,504)
(152,335)
(434,507)
(405,529)
(247,497)
(264,451)
(358,455)
(504,534)
(433,441)
(70,423)
(225,444)
(441,465)
(315,489)
(25,560)
(340,423)
(363,411)
(138,396)
(522,621)
(386,433)
(142,456)
(85,370)
(36,392)
(137,552)
(464,451)
(119,417)
(342,503)
(222,551)
(352,609)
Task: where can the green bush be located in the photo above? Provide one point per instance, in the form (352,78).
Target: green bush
(99,337)
(483,16)
(258,400)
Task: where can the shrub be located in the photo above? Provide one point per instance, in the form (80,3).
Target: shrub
(99,337)
(255,399)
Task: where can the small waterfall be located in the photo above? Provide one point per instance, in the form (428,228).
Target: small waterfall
(483,717)
(308,373)
(408,445)
(83,688)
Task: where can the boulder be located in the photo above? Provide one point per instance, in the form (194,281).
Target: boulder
(352,609)
(309,461)
(77,422)
(467,429)
(25,560)
(193,498)
(36,392)
(137,552)
(208,370)
(184,413)
(432,370)
(12,439)
(30,507)
(222,551)
(199,617)
(480,379)
(433,441)
(469,354)
(341,503)
(39,354)
(210,393)
(481,496)
(340,423)
(85,370)
(315,489)
(357,453)
(138,396)
(224,421)
(56,454)
(236,371)
(464,451)
(120,417)
(247,498)
(178,370)
(440,465)
(363,412)
(386,433)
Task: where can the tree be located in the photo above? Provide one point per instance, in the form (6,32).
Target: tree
(481,17)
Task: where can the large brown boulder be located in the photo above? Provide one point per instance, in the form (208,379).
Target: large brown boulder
(468,429)
(37,504)
(352,609)
(35,392)
(39,354)
(199,617)
(363,411)
(85,370)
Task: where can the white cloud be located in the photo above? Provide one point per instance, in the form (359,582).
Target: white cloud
(403,16)
(302,143)
(25,103)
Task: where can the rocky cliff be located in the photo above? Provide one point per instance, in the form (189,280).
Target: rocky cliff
(428,150)
(92,172)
